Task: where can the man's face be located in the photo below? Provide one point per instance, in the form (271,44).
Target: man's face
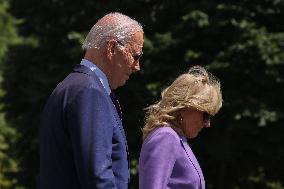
(126,60)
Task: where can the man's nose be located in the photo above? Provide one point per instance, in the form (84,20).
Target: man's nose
(136,66)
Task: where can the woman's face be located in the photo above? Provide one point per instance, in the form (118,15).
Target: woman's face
(193,121)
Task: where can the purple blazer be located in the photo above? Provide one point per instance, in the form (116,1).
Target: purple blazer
(167,162)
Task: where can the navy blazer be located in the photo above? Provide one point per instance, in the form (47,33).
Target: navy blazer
(82,141)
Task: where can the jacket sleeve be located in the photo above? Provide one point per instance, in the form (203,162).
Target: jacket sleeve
(157,159)
(91,129)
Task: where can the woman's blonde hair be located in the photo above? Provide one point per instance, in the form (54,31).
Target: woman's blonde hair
(196,89)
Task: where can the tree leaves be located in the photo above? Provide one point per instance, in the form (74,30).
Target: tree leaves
(241,42)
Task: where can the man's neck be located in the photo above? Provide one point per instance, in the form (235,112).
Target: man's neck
(93,56)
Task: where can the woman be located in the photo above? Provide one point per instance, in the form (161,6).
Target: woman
(166,160)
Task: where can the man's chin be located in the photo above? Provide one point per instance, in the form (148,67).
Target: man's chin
(120,84)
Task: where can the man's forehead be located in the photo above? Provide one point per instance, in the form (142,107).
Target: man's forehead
(137,46)
(136,41)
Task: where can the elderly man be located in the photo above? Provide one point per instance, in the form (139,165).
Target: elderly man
(82,141)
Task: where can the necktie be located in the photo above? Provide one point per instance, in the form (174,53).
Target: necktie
(116,104)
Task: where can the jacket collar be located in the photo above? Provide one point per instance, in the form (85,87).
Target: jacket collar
(83,69)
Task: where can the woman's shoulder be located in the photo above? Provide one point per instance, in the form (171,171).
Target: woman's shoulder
(163,132)
(165,129)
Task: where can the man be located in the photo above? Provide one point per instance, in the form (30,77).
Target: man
(82,141)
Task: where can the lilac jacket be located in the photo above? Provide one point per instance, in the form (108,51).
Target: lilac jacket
(167,162)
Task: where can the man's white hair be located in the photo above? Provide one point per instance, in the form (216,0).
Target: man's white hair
(112,26)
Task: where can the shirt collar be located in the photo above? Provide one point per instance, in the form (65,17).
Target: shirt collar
(102,77)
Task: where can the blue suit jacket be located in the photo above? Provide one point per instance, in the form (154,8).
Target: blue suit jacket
(82,141)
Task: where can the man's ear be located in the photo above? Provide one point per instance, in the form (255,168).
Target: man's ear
(110,50)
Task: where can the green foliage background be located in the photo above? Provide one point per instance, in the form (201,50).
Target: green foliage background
(240,41)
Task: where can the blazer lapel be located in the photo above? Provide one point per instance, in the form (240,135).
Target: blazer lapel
(193,160)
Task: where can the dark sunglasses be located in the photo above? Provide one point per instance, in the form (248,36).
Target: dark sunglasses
(206,118)
(135,56)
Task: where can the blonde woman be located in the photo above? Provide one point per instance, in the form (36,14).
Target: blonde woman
(166,160)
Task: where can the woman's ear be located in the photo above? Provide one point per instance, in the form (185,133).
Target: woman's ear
(110,50)
(182,112)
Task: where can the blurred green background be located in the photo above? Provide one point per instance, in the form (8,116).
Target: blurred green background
(240,41)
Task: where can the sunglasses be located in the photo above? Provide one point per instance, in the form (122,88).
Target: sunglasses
(206,119)
(135,56)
